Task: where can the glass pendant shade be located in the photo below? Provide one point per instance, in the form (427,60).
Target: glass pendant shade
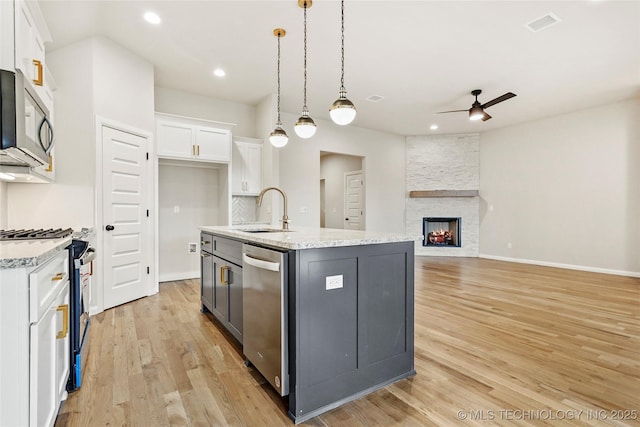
(278,138)
(476,113)
(342,111)
(305,126)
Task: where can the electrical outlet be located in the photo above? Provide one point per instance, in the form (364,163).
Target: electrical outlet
(509,245)
(193,248)
(176,209)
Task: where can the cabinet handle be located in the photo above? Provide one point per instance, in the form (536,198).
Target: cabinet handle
(198,149)
(50,167)
(38,80)
(57,277)
(222,274)
(65,321)
(193,150)
(205,242)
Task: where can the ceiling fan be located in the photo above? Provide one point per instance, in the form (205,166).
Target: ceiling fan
(476,112)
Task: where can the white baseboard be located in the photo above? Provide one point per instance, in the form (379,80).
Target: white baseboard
(566,266)
(170,277)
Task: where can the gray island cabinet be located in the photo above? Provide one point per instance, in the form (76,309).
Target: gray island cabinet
(347,309)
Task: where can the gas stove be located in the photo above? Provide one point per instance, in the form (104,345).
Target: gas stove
(51,233)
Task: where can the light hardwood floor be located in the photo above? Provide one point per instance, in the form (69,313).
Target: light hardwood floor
(496,343)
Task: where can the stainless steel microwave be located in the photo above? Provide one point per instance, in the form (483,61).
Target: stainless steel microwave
(25,125)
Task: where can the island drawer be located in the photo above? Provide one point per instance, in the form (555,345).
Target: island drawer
(45,284)
(228,249)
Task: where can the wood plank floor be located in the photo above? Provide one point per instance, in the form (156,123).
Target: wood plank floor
(496,343)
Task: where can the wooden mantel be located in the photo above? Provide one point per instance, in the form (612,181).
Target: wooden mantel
(443,193)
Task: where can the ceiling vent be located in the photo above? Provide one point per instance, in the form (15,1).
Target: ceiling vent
(543,22)
(375,98)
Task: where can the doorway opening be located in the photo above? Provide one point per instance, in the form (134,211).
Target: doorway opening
(342,191)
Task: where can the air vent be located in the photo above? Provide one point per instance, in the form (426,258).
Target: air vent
(543,22)
(374,98)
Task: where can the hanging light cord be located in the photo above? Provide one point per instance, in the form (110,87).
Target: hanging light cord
(304,107)
(342,89)
(279,123)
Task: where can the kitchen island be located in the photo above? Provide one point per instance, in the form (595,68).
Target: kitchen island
(346,311)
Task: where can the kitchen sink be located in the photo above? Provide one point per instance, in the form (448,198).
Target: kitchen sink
(265,230)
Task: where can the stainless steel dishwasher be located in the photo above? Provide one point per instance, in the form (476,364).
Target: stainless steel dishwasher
(264,309)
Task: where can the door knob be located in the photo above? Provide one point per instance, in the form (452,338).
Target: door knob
(109,227)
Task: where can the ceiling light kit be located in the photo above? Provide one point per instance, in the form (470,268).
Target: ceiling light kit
(278,137)
(305,126)
(476,112)
(342,111)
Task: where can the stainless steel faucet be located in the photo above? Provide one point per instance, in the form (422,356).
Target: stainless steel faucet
(285,218)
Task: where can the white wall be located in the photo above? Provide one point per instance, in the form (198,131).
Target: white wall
(565,190)
(94,77)
(332,170)
(69,202)
(383,166)
(186,104)
(193,190)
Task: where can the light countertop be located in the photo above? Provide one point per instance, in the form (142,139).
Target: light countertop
(30,253)
(306,238)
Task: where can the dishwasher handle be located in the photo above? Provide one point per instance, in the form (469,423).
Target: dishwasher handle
(258,263)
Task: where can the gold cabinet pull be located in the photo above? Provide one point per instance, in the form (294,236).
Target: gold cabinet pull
(38,80)
(193,150)
(197,150)
(50,167)
(222,274)
(65,321)
(57,277)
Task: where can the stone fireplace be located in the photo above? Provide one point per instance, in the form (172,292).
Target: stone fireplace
(443,180)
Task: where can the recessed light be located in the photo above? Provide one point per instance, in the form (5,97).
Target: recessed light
(219,72)
(374,98)
(152,18)
(433,127)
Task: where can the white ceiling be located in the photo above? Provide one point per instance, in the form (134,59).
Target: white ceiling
(421,56)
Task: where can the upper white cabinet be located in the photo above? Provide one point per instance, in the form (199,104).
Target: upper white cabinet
(31,33)
(192,139)
(246,167)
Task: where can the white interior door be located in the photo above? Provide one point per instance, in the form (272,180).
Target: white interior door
(354,200)
(127,252)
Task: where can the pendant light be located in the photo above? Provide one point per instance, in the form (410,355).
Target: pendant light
(342,111)
(278,138)
(305,126)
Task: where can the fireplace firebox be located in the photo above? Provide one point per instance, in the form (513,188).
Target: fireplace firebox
(441,232)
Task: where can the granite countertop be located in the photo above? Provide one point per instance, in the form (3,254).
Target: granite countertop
(30,253)
(306,238)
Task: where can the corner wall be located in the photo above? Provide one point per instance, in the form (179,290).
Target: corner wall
(384,159)
(565,191)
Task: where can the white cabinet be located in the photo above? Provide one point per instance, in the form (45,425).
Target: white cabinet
(246,166)
(192,139)
(31,33)
(34,342)
(49,361)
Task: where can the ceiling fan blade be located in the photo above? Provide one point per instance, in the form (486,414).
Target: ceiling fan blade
(452,111)
(504,97)
(485,117)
